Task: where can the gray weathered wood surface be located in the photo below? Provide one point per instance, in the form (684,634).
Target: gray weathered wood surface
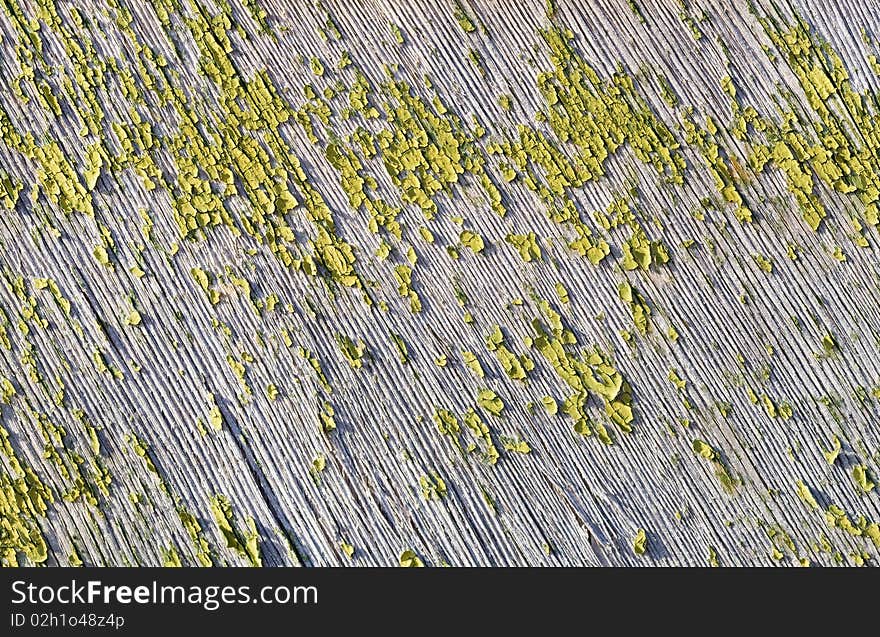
(571,500)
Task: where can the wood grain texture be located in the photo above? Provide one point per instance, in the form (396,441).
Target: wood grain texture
(751,345)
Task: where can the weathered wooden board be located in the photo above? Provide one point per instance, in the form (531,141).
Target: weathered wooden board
(379,283)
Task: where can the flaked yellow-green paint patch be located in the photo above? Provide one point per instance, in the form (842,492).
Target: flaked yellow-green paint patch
(243,541)
(640,542)
(409,559)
